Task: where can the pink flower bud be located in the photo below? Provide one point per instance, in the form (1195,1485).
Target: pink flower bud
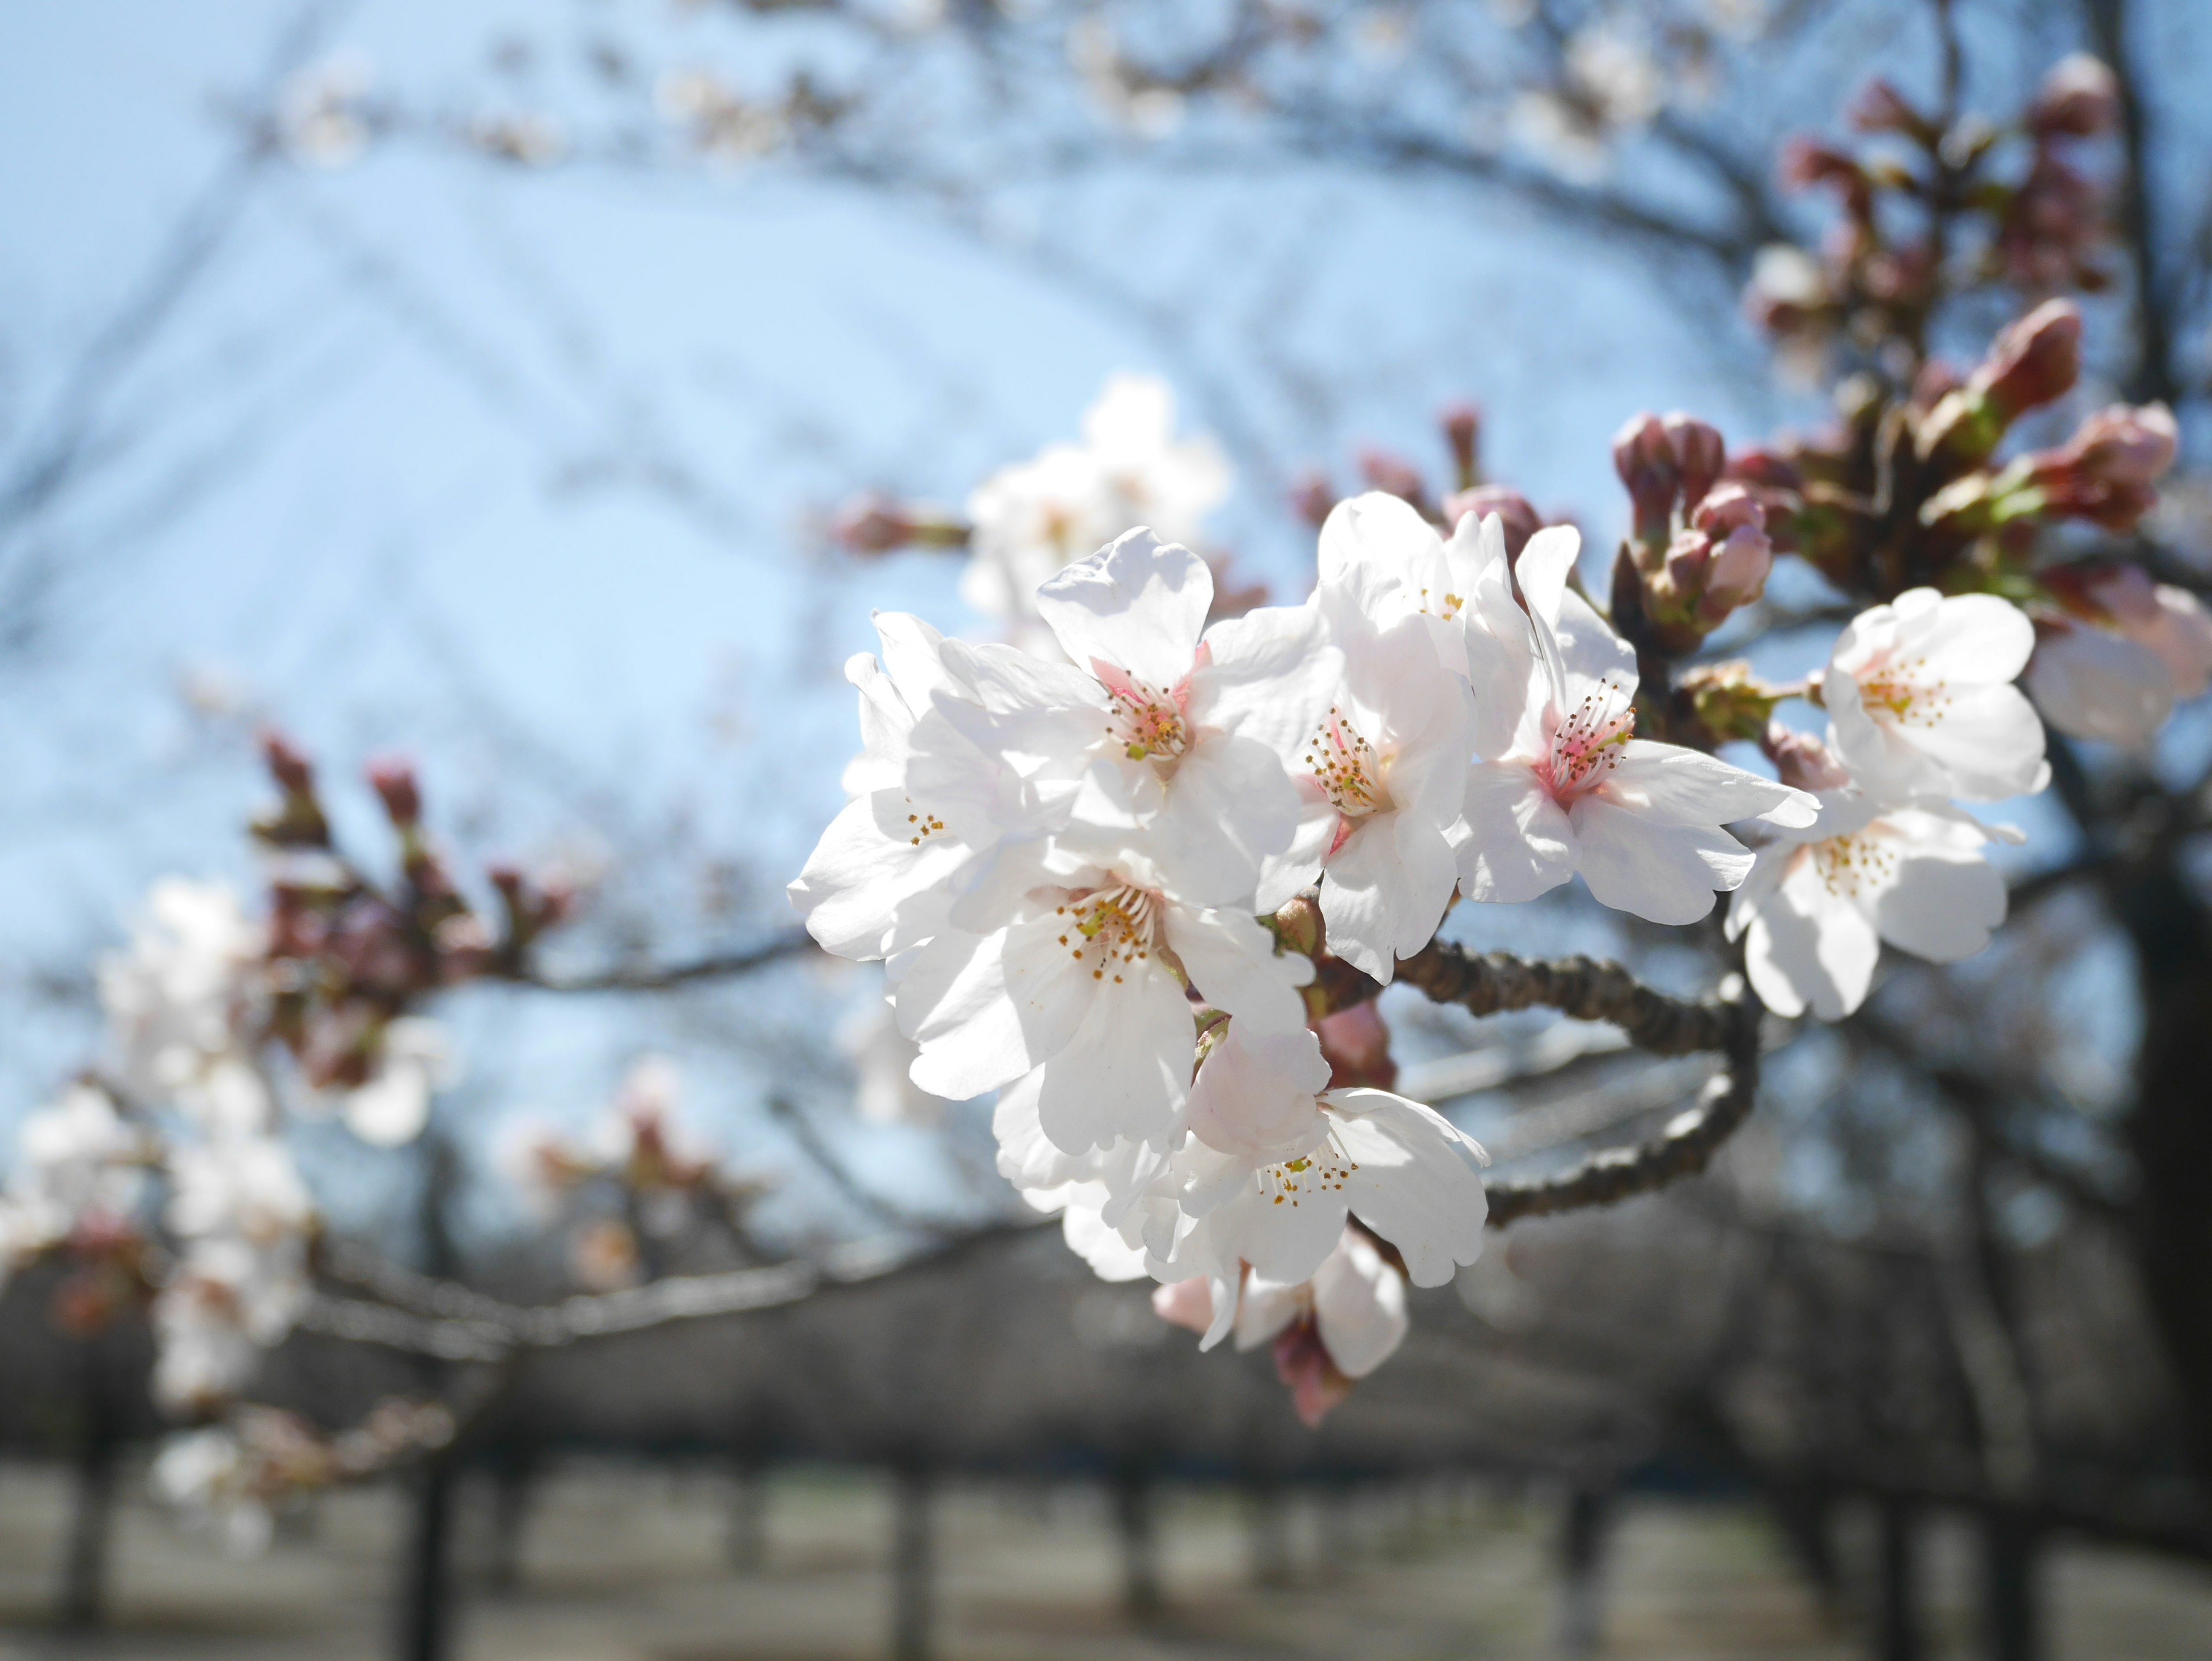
(1645,461)
(392,778)
(1521,520)
(1728,507)
(2123,445)
(1462,425)
(287,764)
(1687,557)
(1737,574)
(1313,496)
(1304,1363)
(1185,1304)
(1879,107)
(1700,453)
(873,524)
(1802,761)
(2080,97)
(1356,1044)
(1393,474)
(2032,362)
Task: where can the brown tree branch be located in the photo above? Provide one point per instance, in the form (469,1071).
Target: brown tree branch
(662,978)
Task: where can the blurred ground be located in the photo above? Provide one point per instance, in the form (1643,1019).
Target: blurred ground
(624,1565)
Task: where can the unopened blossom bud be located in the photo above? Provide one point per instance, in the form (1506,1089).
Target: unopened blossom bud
(1802,761)
(1462,425)
(1356,1044)
(1303,1362)
(873,524)
(287,764)
(1185,1304)
(2080,97)
(1807,162)
(1313,496)
(1298,926)
(1730,701)
(1741,558)
(1700,453)
(1520,520)
(2124,444)
(1392,474)
(1879,107)
(1645,461)
(2032,362)
(392,778)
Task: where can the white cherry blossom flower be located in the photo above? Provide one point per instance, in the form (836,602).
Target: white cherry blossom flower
(182,999)
(1356,1299)
(1197,718)
(229,1300)
(1031,519)
(415,1060)
(928,803)
(1566,789)
(1276,1162)
(1382,772)
(1073,962)
(77,1159)
(1921,705)
(1822,898)
(1394,564)
(2117,675)
(206,1475)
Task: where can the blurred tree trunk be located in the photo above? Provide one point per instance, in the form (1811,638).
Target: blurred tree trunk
(2010,1629)
(1267,1531)
(746,1546)
(1134,1527)
(913,1565)
(92,1520)
(426,1598)
(1897,1615)
(1582,1572)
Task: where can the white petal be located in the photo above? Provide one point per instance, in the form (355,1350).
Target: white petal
(1672,785)
(1126,1071)
(1520,843)
(1230,806)
(1233,963)
(1664,872)
(1269,675)
(1418,1181)
(1807,946)
(1359,1304)
(1138,603)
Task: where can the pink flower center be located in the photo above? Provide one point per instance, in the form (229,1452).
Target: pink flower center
(1147,722)
(1589,742)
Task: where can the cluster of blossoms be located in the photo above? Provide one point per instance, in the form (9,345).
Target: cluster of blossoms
(1093,881)
(236,1476)
(633,1188)
(163,1177)
(1119,879)
(1882,268)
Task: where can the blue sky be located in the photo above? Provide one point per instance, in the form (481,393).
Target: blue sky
(449,398)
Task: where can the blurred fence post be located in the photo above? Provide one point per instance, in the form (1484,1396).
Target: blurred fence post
(1581,1554)
(1267,1534)
(1898,1633)
(2010,1629)
(426,1591)
(92,1517)
(912,1564)
(1133,1528)
(746,1544)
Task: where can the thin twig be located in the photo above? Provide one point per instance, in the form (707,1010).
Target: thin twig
(661,977)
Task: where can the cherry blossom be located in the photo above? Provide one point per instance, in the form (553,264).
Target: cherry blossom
(1276,1163)
(2126,652)
(206,1475)
(929,804)
(1074,965)
(1822,898)
(1921,705)
(1197,718)
(1381,774)
(1328,1331)
(76,1160)
(415,1060)
(1567,788)
(180,999)
(1033,519)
